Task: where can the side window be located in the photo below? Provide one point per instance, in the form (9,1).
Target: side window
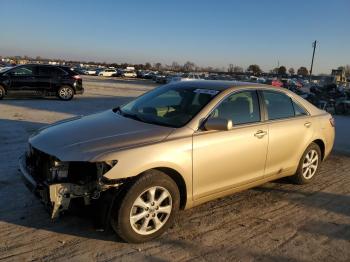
(23,71)
(299,110)
(241,108)
(278,105)
(58,72)
(44,71)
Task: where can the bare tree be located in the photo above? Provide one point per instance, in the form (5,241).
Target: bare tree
(238,69)
(347,70)
(175,66)
(255,69)
(157,66)
(282,70)
(189,66)
(291,71)
(230,68)
(148,66)
(303,71)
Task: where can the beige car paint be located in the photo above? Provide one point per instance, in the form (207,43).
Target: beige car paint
(211,163)
(216,176)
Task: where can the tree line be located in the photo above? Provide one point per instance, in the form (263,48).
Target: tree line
(186,67)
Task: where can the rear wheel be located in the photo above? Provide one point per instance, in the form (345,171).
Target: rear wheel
(147,209)
(308,165)
(2,92)
(65,93)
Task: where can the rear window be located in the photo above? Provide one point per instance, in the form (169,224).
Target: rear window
(68,70)
(44,70)
(299,110)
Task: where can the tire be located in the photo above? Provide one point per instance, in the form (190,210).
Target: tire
(65,93)
(137,202)
(2,92)
(308,165)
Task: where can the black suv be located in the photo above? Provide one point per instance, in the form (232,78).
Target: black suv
(46,80)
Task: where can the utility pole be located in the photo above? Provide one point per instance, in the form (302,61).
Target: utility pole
(313,55)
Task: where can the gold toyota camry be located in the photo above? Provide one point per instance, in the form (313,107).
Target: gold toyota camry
(173,148)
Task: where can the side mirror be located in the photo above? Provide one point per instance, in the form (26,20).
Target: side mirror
(219,124)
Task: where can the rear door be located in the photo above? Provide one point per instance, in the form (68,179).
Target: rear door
(22,78)
(44,77)
(290,132)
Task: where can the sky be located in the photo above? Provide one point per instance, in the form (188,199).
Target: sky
(209,33)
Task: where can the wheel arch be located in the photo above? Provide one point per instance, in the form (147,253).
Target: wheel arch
(4,87)
(178,179)
(321,145)
(66,84)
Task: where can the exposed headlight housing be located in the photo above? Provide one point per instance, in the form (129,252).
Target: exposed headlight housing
(59,170)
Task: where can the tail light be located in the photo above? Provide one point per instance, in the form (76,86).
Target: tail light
(77,77)
(332,121)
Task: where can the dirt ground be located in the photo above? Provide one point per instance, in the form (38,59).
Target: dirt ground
(278,221)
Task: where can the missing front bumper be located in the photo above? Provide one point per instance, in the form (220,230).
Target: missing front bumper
(57,197)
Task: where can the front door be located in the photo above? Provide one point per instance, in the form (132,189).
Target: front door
(22,78)
(223,160)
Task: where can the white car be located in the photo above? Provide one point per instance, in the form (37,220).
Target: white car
(91,72)
(185,77)
(108,72)
(129,74)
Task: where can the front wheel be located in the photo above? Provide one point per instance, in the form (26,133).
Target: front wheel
(308,165)
(147,209)
(65,93)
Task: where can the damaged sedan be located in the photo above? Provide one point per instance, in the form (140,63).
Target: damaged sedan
(175,147)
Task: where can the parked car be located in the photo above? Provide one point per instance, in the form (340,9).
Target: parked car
(149,75)
(176,147)
(127,73)
(277,83)
(161,79)
(92,71)
(108,72)
(46,80)
(79,71)
(185,77)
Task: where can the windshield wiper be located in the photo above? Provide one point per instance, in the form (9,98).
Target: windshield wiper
(128,115)
(138,118)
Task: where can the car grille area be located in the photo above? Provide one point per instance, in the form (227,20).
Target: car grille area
(45,169)
(39,164)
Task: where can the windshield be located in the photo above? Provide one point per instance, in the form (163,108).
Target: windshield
(168,105)
(3,69)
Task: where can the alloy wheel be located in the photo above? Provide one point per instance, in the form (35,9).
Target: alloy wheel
(66,93)
(151,210)
(310,164)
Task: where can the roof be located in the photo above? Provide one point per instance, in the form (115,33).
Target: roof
(218,85)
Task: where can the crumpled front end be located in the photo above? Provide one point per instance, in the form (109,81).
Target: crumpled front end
(56,183)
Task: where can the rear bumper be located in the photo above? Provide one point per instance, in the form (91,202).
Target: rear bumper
(80,91)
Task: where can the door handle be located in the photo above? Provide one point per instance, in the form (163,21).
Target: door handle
(260,134)
(307,124)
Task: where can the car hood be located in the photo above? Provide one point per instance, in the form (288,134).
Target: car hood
(87,138)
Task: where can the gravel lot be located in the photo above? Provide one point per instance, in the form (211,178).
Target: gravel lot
(277,221)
